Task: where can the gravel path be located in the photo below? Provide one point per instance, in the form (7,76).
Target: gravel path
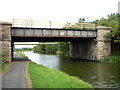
(15,77)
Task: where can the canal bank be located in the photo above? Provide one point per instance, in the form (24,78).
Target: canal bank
(43,77)
(37,76)
(99,75)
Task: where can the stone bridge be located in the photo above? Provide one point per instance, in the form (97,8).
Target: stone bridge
(84,44)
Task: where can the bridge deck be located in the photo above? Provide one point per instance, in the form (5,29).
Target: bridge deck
(52,32)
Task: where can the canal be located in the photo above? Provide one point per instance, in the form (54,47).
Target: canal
(99,75)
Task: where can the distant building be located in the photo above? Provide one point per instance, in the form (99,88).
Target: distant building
(87,26)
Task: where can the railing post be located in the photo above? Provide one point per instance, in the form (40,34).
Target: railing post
(50,24)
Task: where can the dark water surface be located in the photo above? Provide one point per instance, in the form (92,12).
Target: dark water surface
(99,75)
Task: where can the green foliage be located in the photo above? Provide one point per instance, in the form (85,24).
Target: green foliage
(3,57)
(4,67)
(62,48)
(101,22)
(114,58)
(43,77)
(59,53)
(21,54)
(22,49)
(81,20)
(51,49)
(46,49)
(113,21)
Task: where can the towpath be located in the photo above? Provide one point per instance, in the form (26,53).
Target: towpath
(15,76)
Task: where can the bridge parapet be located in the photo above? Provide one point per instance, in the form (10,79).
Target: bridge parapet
(48,32)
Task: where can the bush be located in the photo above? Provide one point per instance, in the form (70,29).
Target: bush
(113,58)
(62,48)
(21,54)
(59,53)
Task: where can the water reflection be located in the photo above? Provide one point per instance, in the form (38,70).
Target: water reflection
(51,61)
(100,75)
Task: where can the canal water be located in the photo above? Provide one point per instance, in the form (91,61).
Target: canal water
(99,75)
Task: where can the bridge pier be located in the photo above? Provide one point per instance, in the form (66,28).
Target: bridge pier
(103,42)
(92,49)
(84,49)
(5,41)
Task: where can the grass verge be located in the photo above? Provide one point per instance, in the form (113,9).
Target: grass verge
(43,77)
(113,58)
(4,67)
(21,54)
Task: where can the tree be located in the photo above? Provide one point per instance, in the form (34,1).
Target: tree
(113,21)
(102,22)
(81,20)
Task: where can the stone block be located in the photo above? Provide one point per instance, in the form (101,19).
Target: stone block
(5,41)
(6,32)
(103,43)
(6,44)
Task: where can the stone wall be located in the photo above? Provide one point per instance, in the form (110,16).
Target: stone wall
(84,49)
(92,49)
(5,41)
(103,43)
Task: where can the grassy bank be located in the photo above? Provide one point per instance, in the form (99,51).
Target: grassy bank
(4,67)
(21,54)
(113,58)
(43,77)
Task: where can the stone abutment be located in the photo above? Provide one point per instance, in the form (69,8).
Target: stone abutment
(5,41)
(92,49)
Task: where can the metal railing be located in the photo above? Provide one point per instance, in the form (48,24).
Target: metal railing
(37,23)
(87,26)
(52,24)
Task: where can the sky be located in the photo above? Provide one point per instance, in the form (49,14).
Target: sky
(21,44)
(25,46)
(56,10)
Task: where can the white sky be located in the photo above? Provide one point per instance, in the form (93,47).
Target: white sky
(24,46)
(28,44)
(56,10)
